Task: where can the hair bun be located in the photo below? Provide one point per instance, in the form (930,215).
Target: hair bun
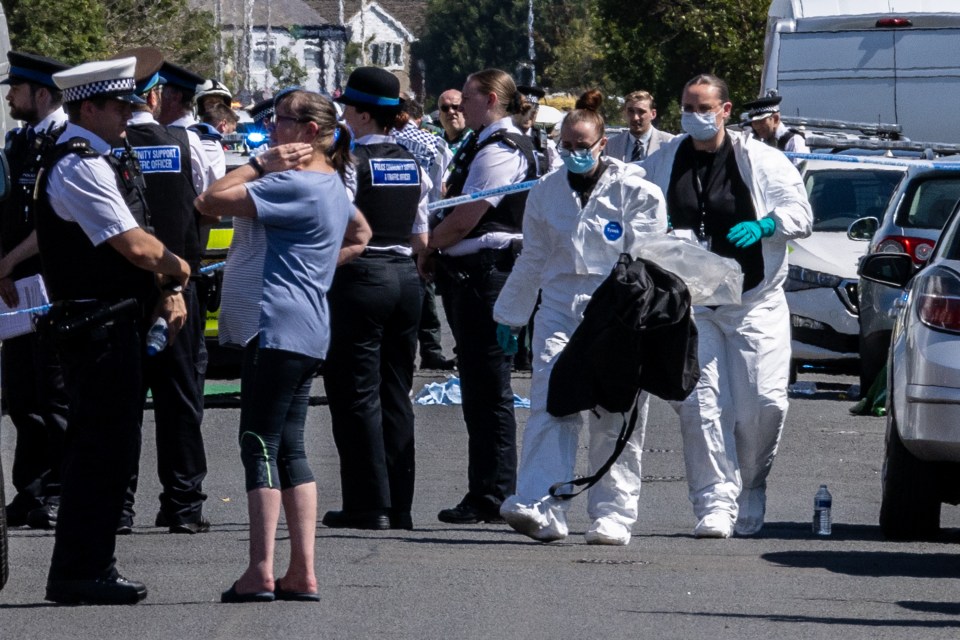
(591,99)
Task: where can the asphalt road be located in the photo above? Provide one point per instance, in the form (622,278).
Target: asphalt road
(486,581)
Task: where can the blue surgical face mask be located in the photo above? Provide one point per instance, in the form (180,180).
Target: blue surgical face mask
(700,126)
(579,160)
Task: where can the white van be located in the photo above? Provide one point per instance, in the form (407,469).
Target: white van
(873,61)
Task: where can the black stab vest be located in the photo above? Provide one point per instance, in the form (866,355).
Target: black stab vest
(508,215)
(164,155)
(388,191)
(75,269)
(17,217)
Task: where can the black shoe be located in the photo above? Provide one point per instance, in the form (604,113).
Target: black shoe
(44,517)
(438,363)
(401,520)
(231,596)
(200,525)
(125,526)
(465,513)
(356,520)
(117,590)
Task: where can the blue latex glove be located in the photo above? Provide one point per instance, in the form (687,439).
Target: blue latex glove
(748,233)
(506,339)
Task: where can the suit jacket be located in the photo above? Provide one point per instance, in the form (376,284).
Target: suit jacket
(620,146)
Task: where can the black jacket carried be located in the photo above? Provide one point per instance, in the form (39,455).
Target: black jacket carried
(636,334)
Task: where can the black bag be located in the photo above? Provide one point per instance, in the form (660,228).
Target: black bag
(636,335)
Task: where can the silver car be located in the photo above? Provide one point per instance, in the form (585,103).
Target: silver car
(910,224)
(922,458)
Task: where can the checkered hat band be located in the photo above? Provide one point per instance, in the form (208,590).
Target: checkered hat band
(762,110)
(115,87)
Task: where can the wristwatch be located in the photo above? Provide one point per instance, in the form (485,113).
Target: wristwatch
(172,286)
(255,163)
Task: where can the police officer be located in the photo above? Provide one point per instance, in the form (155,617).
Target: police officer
(175,376)
(32,378)
(478,242)
(374,314)
(105,273)
(763,115)
(176,110)
(548,158)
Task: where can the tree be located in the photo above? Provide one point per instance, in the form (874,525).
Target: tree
(658,45)
(76,31)
(288,71)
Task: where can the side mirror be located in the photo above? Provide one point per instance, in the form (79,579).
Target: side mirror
(863,229)
(5,177)
(891,269)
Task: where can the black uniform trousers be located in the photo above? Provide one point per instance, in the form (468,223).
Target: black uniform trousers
(36,400)
(375,303)
(103,374)
(429,332)
(471,285)
(175,376)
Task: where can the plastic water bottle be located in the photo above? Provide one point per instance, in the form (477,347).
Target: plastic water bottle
(822,502)
(157,337)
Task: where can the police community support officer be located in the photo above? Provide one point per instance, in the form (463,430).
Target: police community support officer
(176,110)
(175,376)
(477,241)
(97,257)
(32,378)
(375,303)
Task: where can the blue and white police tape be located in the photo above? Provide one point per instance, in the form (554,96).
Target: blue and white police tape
(38,310)
(479,195)
(212,267)
(893,162)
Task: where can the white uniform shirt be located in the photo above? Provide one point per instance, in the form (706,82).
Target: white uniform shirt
(84,190)
(53,120)
(496,165)
(204,158)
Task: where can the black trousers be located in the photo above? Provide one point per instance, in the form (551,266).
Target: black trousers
(375,303)
(104,382)
(175,376)
(36,400)
(430,330)
(471,285)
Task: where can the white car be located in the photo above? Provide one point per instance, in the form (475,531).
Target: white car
(922,457)
(822,280)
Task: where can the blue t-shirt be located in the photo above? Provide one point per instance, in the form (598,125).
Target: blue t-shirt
(304,215)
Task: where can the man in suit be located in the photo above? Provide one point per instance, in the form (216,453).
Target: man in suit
(642,139)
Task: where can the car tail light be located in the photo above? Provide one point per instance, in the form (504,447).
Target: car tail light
(938,300)
(917,248)
(887,23)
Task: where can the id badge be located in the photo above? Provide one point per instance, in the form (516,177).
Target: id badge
(705,242)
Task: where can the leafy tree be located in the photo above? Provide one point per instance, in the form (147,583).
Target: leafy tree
(76,31)
(288,71)
(658,45)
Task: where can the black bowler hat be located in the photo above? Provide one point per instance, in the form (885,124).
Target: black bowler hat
(763,107)
(29,67)
(371,87)
(183,79)
(532,94)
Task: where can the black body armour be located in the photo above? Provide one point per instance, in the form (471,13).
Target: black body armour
(388,192)
(75,269)
(164,158)
(508,215)
(17,218)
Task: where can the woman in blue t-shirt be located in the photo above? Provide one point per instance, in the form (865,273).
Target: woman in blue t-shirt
(295,192)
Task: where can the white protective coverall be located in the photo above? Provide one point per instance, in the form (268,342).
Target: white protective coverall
(731,423)
(568,250)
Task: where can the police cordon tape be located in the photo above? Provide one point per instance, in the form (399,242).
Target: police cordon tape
(38,310)
(893,162)
(479,195)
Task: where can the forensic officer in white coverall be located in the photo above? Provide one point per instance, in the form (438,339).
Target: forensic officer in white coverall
(576,224)
(740,199)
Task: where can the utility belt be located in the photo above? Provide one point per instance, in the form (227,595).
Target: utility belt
(461,269)
(70,320)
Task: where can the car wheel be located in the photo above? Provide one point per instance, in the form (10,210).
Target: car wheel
(873,355)
(910,506)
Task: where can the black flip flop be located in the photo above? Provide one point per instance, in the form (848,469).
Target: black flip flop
(230,596)
(296,596)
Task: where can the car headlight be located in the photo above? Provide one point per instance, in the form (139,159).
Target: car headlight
(937,295)
(799,279)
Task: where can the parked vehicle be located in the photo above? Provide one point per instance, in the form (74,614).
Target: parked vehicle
(822,279)
(910,224)
(922,456)
(868,61)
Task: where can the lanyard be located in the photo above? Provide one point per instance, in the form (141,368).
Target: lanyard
(702,237)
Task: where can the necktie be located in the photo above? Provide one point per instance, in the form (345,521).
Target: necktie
(637,153)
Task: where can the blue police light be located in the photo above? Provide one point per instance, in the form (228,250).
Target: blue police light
(255,139)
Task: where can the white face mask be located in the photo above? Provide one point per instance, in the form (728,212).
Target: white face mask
(700,126)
